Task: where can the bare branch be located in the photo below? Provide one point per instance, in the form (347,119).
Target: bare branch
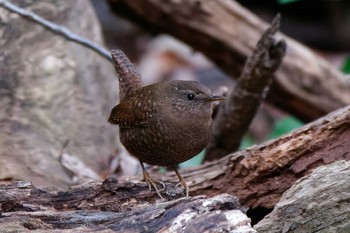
(55,28)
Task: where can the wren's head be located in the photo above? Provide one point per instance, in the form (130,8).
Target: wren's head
(189,98)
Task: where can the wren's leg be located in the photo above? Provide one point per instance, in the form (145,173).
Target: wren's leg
(182,181)
(149,180)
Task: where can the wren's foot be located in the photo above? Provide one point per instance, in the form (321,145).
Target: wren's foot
(150,183)
(147,178)
(182,182)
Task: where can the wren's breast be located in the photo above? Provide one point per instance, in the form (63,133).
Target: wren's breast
(165,143)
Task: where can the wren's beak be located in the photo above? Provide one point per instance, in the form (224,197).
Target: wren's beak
(215,98)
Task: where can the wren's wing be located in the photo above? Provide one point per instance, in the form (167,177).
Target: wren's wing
(129,78)
(131,113)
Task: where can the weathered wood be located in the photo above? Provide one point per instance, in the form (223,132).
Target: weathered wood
(319,202)
(238,110)
(52,91)
(259,175)
(114,207)
(307,86)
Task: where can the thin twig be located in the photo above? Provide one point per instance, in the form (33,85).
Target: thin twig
(55,28)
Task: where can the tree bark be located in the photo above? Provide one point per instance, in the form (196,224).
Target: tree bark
(306,85)
(319,202)
(114,207)
(53,91)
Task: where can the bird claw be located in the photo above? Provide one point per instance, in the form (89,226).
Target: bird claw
(161,183)
(184,186)
(182,183)
(151,183)
(147,178)
(178,184)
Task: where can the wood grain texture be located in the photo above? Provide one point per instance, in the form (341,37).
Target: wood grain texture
(115,207)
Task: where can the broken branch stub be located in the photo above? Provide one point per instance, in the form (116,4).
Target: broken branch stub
(238,110)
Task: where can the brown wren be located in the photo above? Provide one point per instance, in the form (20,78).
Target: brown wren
(163,124)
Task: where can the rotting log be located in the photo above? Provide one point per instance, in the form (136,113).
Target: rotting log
(115,207)
(306,85)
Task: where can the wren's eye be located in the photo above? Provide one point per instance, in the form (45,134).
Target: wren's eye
(190,96)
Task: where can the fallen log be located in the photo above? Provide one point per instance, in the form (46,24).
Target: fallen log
(115,207)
